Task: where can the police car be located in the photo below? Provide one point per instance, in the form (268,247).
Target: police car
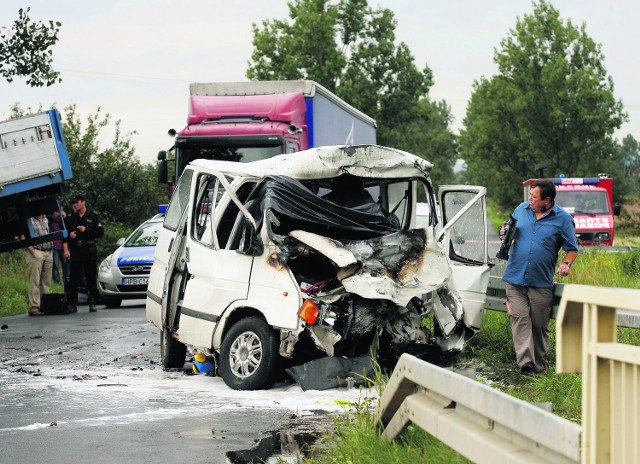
(125,273)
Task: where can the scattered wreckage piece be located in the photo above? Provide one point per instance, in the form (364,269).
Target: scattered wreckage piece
(300,257)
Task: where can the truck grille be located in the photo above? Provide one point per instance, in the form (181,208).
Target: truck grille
(135,269)
(585,236)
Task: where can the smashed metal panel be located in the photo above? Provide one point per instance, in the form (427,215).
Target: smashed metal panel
(448,309)
(325,373)
(324,337)
(407,328)
(455,342)
(287,343)
(398,267)
(332,249)
(369,161)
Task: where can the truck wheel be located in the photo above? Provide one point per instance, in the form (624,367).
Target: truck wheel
(249,358)
(172,352)
(112,302)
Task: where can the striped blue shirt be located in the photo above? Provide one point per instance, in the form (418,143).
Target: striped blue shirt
(534,253)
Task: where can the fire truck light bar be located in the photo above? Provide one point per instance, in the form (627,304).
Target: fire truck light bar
(576,181)
(568,181)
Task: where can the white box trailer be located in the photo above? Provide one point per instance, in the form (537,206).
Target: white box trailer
(34,166)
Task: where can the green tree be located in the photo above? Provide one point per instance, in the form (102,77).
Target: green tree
(350,48)
(628,168)
(25,50)
(629,156)
(116,183)
(551,103)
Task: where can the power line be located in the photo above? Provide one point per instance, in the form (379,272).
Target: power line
(122,76)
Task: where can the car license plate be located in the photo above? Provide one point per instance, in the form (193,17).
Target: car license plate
(135,281)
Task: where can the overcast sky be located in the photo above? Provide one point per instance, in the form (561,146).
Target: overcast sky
(136,58)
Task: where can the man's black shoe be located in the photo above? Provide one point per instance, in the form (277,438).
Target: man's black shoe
(528,368)
(92,304)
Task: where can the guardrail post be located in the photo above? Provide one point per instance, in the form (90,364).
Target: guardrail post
(586,342)
(483,424)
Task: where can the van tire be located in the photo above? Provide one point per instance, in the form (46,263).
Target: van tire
(241,372)
(172,352)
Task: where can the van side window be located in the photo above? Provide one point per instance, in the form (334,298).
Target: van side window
(229,219)
(210,190)
(467,236)
(179,201)
(399,195)
(232,221)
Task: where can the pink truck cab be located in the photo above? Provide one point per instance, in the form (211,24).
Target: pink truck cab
(590,201)
(251,121)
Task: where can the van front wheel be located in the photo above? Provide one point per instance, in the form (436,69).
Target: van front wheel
(249,358)
(172,352)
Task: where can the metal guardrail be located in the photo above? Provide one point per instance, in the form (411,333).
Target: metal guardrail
(496,296)
(586,342)
(483,424)
(488,426)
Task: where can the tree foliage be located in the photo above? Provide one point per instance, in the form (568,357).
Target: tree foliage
(628,158)
(25,50)
(551,103)
(115,182)
(350,48)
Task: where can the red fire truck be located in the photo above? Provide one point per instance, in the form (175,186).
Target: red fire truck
(590,201)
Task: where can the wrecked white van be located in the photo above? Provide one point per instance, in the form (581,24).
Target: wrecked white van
(314,254)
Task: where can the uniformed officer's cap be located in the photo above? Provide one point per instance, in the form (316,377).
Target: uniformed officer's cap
(78,197)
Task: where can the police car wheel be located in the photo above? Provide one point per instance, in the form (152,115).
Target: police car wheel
(249,358)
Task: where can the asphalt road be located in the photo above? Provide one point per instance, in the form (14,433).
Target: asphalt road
(89,387)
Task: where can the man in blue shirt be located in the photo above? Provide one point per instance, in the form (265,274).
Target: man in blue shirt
(542,229)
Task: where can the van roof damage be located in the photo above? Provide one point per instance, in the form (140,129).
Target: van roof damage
(370,161)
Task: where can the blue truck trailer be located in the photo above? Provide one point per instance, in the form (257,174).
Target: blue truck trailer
(34,171)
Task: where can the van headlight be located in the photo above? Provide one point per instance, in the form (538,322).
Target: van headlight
(602,237)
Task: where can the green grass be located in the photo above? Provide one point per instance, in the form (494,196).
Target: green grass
(14,284)
(356,440)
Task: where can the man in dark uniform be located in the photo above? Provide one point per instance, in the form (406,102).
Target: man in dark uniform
(84,228)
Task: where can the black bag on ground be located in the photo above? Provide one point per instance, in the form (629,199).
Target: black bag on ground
(53,303)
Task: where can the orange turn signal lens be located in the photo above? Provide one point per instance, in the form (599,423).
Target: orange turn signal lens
(309,312)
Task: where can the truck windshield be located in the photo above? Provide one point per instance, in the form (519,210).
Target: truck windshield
(584,202)
(241,154)
(242,149)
